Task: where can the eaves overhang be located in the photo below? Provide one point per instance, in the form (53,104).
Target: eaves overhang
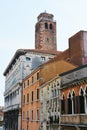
(20,52)
(17,54)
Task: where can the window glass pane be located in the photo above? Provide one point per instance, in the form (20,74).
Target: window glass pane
(28,58)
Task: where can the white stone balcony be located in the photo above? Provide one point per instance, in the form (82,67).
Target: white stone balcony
(74,119)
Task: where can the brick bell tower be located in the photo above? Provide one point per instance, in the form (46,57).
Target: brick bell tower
(45,32)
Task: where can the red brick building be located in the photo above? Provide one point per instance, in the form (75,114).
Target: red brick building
(45,32)
(74,99)
(30,94)
(77,51)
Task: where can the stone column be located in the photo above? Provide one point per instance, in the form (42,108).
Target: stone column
(85,102)
(19,120)
(72,106)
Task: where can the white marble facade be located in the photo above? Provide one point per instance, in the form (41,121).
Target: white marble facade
(49,105)
(21,65)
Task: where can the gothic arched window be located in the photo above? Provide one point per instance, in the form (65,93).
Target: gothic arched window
(86,100)
(86,90)
(51,27)
(73,102)
(46,25)
(81,101)
(69,104)
(63,105)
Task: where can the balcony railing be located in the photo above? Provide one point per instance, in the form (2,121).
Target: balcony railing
(53,122)
(74,119)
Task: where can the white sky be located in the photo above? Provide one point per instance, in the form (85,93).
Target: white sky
(17,26)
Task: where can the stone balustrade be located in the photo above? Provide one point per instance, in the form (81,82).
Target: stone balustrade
(74,119)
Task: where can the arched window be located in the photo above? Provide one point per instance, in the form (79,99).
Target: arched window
(81,92)
(73,94)
(85,100)
(55,92)
(46,25)
(51,27)
(86,90)
(69,104)
(81,101)
(57,83)
(73,103)
(63,105)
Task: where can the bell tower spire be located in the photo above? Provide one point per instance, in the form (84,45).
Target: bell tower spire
(45,32)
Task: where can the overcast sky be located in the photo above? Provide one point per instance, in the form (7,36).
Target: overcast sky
(17,26)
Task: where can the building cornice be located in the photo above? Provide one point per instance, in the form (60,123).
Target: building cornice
(20,52)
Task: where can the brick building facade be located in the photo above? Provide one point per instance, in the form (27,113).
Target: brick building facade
(31,88)
(74,99)
(30,102)
(77,51)
(45,32)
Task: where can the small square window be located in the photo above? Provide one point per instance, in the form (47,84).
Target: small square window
(43,58)
(28,58)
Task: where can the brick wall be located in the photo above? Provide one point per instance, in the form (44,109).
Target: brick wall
(75,48)
(45,38)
